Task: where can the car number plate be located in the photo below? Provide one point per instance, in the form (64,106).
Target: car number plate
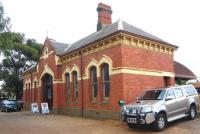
(131,120)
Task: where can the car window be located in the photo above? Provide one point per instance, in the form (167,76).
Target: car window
(171,94)
(190,90)
(153,95)
(178,92)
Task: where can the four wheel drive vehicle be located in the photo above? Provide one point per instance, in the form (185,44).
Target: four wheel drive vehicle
(8,105)
(159,106)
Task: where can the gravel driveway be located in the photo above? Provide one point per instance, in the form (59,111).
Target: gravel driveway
(27,123)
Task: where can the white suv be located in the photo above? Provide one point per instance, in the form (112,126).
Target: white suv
(157,107)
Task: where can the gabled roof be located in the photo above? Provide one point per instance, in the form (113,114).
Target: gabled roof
(59,47)
(119,26)
(30,69)
(110,29)
(182,71)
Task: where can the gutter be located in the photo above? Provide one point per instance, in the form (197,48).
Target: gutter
(82,88)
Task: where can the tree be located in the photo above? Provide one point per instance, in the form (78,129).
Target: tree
(4,21)
(19,56)
(4,30)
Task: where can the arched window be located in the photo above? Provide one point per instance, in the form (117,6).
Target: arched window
(106,80)
(93,80)
(35,84)
(26,93)
(29,92)
(75,84)
(68,86)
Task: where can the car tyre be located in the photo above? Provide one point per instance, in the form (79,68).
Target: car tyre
(130,125)
(160,122)
(6,110)
(192,112)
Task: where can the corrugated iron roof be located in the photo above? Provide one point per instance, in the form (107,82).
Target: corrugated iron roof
(182,71)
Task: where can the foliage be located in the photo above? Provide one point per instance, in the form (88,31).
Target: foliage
(4,21)
(19,56)
(4,31)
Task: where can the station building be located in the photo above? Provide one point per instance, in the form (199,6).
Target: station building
(88,78)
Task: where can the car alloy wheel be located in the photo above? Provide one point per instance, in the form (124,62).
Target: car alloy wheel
(160,122)
(192,112)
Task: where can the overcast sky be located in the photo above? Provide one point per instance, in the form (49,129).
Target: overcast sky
(175,21)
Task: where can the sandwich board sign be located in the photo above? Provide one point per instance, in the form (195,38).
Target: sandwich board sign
(34,108)
(45,108)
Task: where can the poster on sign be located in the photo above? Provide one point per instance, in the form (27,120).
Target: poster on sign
(45,108)
(34,108)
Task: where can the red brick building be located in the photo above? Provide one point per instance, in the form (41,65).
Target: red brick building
(90,76)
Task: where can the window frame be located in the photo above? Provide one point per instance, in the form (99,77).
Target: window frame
(176,94)
(26,94)
(106,66)
(190,91)
(75,84)
(171,90)
(68,84)
(29,92)
(94,82)
(35,86)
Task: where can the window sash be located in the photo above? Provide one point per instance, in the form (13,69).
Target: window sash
(106,89)
(75,78)
(94,83)
(106,82)
(35,85)
(68,86)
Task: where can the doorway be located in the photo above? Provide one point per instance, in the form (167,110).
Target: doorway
(47,85)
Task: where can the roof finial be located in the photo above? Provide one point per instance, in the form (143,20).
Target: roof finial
(120,24)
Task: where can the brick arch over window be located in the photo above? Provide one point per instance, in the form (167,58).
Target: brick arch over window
(66,70)
(92,63)
(76,68)
(105,60)
(97,64)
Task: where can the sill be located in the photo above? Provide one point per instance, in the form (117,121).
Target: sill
(75,101)
(94,101)
(68,101)
(105,101)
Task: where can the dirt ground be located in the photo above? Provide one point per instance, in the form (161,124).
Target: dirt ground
(28,123)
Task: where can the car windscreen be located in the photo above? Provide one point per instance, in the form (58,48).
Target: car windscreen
(10,102)
(154,95)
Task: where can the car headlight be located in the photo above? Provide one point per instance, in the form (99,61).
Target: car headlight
(147,109)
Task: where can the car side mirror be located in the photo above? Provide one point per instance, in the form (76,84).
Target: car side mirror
(121,103)
(169,98)
(139,98)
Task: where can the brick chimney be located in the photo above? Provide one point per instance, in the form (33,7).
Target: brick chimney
(104,16)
